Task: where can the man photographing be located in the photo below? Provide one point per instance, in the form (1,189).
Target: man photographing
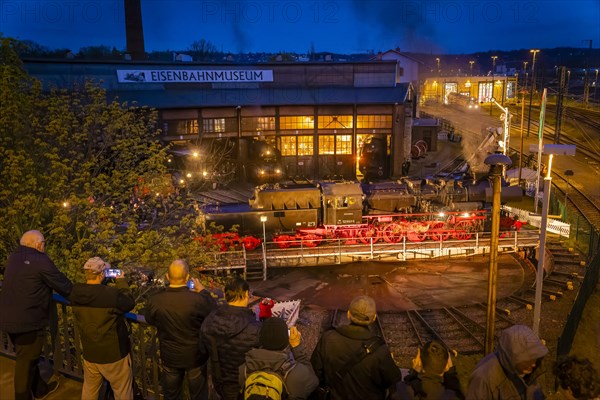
(99,313)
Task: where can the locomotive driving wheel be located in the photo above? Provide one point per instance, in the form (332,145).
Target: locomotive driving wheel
(393,233)
(438,232)
(369,233)
(463,230)
(417,232)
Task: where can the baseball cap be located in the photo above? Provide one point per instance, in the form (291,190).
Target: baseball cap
(362,310)
(96,265)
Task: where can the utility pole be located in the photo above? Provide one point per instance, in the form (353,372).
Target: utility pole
(559,101)
(534,51)
(586,80)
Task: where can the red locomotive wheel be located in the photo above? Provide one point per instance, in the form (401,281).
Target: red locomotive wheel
(368,234)
(393,233)
(438,232)
(463,230)
(417,232)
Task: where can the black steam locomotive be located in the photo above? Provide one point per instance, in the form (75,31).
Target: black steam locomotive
(409,208)
(223,160)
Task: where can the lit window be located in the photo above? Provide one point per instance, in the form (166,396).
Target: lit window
(305,146)
(213,125)
(181,127)
(296,122)
(326,144)
(343,144)
(335,122)
(373,121)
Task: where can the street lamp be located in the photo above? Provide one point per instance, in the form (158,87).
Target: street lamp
(506,128)
(534,51)
(493,83)
(471,65)
(263,219)
(438,64)
(497,162)
(551,150)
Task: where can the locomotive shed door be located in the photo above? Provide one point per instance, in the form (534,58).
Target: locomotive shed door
(335,159)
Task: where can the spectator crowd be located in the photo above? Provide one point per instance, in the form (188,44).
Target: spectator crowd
(220,349)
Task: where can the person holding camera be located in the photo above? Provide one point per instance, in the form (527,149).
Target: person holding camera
(177,312)
(100,316)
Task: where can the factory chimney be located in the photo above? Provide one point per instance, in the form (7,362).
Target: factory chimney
(134,30)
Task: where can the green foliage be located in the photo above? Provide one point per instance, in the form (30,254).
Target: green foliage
(90,174)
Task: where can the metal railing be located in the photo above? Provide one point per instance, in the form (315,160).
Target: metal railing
(63,347)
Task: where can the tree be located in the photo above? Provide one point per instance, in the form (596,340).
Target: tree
(90,174)
(202,50)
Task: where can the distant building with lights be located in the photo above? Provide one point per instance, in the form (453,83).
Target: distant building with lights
(482,88)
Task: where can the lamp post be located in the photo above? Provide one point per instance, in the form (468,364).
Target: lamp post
(497,162)
(437,59)
(263,219)
(493,83)
(471,65)
(506,128)
(526,73)
(551,150)
(596,85)
(534,51)
(567,86)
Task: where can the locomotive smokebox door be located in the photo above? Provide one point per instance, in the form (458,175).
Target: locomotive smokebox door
(342,203)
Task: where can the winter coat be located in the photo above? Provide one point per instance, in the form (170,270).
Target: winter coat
(369,379)
(235,331)
(495,377)
(178,314)
(301,380)
(29,278)
(99,313)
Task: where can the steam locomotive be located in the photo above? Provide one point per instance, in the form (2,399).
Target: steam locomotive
(222,160)
(306,214)
(462,100)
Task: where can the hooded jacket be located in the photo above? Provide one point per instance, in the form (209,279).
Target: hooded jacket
(235,330)
(301,380)
(29,278)
(369,379)
(496,378)
(99,313)
(178,314)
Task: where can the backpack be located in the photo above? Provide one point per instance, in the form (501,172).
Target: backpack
(267,384)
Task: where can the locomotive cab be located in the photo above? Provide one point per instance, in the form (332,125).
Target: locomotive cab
(342,203)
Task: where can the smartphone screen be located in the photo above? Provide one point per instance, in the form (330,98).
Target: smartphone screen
(113,273)
(191,284)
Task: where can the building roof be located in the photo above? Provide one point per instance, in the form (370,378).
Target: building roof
(288,84)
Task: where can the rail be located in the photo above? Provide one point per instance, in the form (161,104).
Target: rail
(63,347)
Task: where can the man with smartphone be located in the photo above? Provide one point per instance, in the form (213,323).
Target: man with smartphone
(99,313)
(178,312)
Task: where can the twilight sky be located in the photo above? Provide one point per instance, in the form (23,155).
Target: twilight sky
(340,26)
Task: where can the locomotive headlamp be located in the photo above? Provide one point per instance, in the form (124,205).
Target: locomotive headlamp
(441,215)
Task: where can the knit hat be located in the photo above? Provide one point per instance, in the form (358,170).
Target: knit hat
(362,310)
(274,334)
(96,265)
(434,357)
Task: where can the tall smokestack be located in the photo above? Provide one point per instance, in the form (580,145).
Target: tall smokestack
(134,30)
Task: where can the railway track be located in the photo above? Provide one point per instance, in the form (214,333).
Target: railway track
(578,199)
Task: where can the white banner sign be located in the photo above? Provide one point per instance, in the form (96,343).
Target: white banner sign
(193,75)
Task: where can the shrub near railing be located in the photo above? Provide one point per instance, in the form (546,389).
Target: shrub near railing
(63,347)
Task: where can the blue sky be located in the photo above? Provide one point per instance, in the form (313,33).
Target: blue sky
(341,26)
